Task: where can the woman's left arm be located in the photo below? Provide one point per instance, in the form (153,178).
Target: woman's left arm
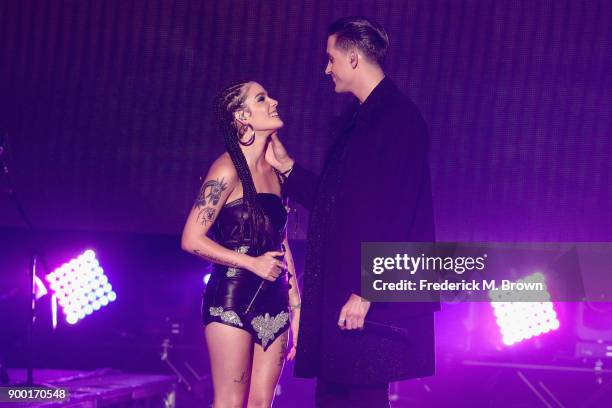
(294,299)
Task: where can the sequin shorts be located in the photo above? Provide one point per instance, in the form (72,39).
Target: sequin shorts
(239,298)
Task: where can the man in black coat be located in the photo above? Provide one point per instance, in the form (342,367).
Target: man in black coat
(375,186)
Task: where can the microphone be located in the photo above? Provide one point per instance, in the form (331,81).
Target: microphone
(386,330)
(263,284)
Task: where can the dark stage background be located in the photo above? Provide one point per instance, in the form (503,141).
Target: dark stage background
(108,105)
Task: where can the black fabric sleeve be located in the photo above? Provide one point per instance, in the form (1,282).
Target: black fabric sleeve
(301,185)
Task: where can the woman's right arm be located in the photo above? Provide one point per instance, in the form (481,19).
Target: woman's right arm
(218,185)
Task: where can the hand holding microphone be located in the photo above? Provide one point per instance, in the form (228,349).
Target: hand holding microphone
(268,266)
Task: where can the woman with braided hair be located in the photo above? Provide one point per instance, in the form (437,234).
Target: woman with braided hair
(238,223)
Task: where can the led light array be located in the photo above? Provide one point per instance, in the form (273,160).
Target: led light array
(81,287)
(520,321)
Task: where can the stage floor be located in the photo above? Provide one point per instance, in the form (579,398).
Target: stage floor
(100,388)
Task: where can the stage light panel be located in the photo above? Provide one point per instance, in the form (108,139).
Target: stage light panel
(519,321)
(81,287)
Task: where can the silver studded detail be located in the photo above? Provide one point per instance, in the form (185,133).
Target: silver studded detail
(267,326)
(228,316)
(231,271)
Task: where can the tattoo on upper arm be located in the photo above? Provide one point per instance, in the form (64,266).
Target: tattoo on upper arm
(208,198)
(206,215)
(211,190)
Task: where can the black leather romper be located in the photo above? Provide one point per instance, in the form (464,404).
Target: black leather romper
(238,297)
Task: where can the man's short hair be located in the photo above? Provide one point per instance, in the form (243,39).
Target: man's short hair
(359,32)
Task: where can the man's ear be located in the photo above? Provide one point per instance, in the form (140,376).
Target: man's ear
(353,58)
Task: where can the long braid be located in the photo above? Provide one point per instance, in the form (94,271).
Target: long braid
(228,102)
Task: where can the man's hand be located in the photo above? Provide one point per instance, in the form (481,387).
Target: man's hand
(353,313)
(277,156)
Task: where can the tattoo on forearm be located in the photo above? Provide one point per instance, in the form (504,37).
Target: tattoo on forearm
(294,292)
(210,192)
(215,259)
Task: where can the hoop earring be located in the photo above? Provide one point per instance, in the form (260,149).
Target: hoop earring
(242,132)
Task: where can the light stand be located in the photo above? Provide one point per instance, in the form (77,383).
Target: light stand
(33,262)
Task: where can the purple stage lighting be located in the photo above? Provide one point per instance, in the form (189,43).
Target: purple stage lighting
(40,290)
(81,287)
(206,278)
(520,321)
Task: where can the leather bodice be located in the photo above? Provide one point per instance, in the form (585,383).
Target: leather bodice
(238,297)
(231,224)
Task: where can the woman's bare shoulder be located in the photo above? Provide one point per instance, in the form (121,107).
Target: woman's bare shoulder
(223,166)
(223,159)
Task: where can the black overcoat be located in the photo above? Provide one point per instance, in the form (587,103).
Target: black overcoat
(375,186)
